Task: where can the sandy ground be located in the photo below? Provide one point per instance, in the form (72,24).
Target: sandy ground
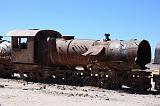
(20,93)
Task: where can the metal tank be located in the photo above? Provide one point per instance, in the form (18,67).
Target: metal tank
(157,54)
(117,54)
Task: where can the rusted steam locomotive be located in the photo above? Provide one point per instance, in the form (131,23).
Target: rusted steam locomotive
(46,55)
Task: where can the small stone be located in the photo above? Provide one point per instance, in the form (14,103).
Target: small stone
(61,93)
(25,89)
(1,86)
(70,95)
(80,94)
(107,99)
(85,95)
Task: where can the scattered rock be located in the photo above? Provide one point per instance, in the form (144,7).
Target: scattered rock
(61,93)
(103,91)
(1,86)
(107,99)
(91,96)
(74,88)
(70,95)
(79,94)
(84,90)
(25,89)
(42,87)
(58,87)
(63,88)
(85,95)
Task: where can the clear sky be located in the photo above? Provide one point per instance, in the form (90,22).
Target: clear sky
(86,19)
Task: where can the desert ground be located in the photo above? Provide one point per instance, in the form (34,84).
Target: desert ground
(15,92)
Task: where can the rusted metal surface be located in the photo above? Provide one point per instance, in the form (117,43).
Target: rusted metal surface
(93,51)
(48,47)
(129,54)
(69,52)
(34,49)
(68,37)
(46,55)
(120,55)
(157,54)
(26,55)
(32,32)
(22,32)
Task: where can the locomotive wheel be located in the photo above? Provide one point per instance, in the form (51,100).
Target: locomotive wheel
(73,79)
(38,77)
(105,84)
(119,86)
(6,75)
(60,79)
(22,75)
(135,87)
(108,84)
(138,87)
(90,81)
(29,77)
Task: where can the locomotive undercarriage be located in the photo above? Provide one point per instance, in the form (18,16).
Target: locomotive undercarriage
(107,79)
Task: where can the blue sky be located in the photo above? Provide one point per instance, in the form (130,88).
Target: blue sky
(86,19)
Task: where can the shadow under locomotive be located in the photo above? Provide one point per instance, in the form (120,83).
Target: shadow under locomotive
(62,82)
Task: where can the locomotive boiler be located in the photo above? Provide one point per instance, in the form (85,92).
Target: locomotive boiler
(47,55)
(116,54)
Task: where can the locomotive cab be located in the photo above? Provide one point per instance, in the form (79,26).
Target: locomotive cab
(30,46)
